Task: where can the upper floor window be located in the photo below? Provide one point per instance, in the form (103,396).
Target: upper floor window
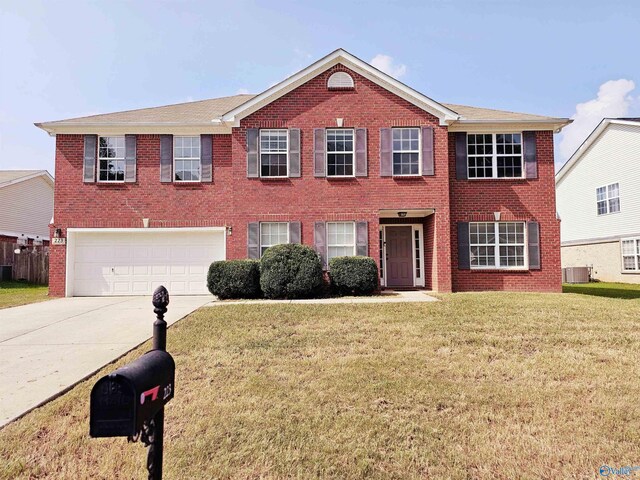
(497,244)
(111,159)
(630,254)
(406,151)
(186,159)
(273,233)
(494,155)
(341,239)
(608,199)
(340,152)
(274,147)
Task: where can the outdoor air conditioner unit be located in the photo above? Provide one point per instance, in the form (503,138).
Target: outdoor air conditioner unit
(576,275)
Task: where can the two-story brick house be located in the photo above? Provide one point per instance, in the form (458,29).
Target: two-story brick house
(339,156)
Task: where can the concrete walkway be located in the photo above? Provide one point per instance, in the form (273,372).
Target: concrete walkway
(387,296)
(48,347)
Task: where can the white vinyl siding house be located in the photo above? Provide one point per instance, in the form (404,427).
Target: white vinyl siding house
(598,200)
(27,203)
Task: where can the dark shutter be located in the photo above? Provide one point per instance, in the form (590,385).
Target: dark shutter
(427,151)
(89,165)
(386,155)
(253,153)
(362,239)
(534,245)
(294,152)
(464,262)
(530,158)
(253,240)
(294,232)
(206,158)
(319,147)
(166,158)
(320,241)
(129,158)
(361,152)
(461,155)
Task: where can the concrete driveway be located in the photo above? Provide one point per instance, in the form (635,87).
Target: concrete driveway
(47,347)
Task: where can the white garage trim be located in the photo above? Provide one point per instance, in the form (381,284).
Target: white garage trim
(74,233)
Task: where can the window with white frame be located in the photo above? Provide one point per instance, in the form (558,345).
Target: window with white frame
(494,155)
(630,254)
(186,159)
(273,152)
(340,152)
(497,245)
(111,160)
(273,233)
(406,151)
(608,199)
(341,239)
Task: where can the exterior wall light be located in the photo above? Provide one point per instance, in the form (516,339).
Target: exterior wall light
(402,214)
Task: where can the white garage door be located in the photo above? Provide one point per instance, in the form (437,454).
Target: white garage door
(137,262)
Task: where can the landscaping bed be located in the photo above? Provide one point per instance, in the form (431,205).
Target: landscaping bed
(494,385)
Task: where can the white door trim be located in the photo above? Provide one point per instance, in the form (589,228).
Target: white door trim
(418,280)
(73,232)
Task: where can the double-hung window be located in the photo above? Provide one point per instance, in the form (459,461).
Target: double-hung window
(186,159)
(340,152)
(630,254)
(111,159)
(497,245)
(608,199)
(494,155)
(406,151)
(273,233)
(341,239)
(274,145)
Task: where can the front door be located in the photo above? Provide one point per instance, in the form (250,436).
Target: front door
(399,257)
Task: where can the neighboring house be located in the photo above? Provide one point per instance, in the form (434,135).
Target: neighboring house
(598,192)
(26,200)
(339,156)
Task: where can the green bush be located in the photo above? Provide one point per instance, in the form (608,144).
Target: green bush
(290,271)
(353,275)
(234,279)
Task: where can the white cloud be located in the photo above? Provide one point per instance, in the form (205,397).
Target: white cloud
(242,91)
(613,100)
(388,65)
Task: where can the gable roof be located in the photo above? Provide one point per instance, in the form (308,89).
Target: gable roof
(352,62)
(11,177)
(218,115)
(591,138)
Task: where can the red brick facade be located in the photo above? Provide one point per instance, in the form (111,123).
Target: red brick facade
(233,200)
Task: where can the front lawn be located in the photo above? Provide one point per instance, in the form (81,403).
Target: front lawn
(475,386)
(604,289)
(14,293)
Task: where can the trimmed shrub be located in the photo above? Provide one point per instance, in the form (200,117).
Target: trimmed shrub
(290,271)
(353,275)
(234,279)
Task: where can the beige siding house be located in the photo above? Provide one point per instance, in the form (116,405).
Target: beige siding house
(598,201)
(26,197)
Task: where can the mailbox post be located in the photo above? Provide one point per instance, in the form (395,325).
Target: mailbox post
(130,401)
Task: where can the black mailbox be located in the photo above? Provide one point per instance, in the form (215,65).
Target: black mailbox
(133,394)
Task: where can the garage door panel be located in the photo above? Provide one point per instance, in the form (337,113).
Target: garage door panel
(132,263)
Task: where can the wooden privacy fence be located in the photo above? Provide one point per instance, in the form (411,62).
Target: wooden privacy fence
(32,264)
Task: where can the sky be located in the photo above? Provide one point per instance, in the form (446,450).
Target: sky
(62,59)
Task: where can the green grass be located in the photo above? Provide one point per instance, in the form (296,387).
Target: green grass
(14,293)
(477,386)
(604,289)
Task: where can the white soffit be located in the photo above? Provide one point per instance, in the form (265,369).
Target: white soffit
(343,57)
